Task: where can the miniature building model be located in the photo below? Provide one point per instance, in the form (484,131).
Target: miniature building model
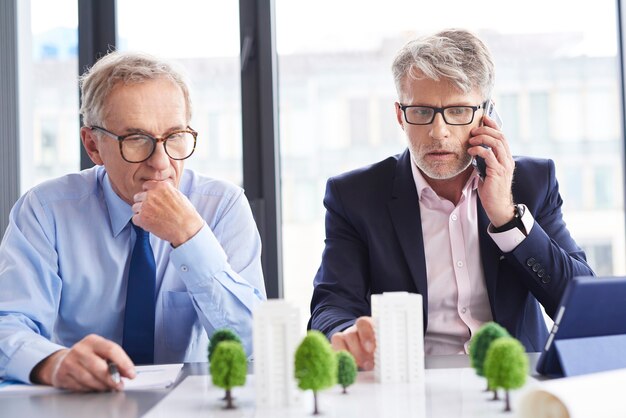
(276,338)
(398,324)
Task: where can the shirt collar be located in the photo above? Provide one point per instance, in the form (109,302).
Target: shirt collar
(120,212)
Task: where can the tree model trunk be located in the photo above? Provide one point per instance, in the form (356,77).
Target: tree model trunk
(495,395)
(507,407)
(229,400)
(315,411)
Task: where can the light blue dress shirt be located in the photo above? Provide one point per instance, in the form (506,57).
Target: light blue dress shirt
(64,264)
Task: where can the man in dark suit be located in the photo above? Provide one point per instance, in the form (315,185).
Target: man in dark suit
(477,248)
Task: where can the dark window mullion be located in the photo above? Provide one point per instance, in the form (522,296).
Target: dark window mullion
(259,109)
(96,36)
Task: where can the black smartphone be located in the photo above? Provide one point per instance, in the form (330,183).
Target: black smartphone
(479,162)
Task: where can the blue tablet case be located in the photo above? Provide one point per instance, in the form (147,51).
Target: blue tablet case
(589,332)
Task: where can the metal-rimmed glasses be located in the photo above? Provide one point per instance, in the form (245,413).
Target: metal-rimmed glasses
(452,115)
(138,147)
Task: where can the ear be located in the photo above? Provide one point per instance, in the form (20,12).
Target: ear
(399,115)
(91,144)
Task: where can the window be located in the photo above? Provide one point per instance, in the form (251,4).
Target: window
(539,123)
(206,48)
(509,108)
(573,187)
(601,257)
(360,119)
(556,80)
(51,145)
(605,187)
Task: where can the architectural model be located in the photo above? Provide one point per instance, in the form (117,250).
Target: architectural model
(276,337)
(398,324)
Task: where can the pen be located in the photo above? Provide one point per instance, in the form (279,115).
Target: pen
(114,372)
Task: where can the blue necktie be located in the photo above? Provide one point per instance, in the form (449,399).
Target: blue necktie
(138,339)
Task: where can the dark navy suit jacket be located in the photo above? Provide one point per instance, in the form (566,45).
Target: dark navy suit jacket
(374,244)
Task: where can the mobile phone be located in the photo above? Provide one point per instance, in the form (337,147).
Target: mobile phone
(479,162)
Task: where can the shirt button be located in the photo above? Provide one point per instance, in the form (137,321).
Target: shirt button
(184,268)
(463,310)
(459,263)
(454,217)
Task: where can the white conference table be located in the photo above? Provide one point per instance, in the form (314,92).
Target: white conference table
(451,389)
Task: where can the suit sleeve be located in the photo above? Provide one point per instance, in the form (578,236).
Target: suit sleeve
(341,286)
(549,257)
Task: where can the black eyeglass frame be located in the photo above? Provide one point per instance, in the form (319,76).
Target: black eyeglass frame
(441,110)
(155,140)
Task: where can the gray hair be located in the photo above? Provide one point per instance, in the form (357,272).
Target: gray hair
(454,54)
(122,67)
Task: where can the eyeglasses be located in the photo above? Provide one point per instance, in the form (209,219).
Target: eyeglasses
(137,148)
(452,115)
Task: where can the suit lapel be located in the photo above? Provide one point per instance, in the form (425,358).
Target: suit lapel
(405,216)
(490,255)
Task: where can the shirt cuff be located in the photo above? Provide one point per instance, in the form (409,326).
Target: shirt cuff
(28,356)
(507,241)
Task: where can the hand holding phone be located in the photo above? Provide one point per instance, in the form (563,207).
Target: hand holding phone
(479,162)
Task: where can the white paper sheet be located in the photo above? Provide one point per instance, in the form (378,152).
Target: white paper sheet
(159,376)
(591,395)
(152,377)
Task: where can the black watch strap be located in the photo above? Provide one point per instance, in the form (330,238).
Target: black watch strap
(516,222)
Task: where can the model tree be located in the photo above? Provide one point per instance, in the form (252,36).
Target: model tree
(346,369)
(506,366)
(315,365)
(228,368)
(479,345)
(222,334)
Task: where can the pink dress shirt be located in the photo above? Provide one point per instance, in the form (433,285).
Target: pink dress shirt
(457,296)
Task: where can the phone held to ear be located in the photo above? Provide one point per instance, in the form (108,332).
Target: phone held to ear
(479,162)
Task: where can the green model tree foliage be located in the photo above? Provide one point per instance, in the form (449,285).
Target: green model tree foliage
(506,366)
(315,364)
(228,368)
(479,345)
(223,334)
(346,369)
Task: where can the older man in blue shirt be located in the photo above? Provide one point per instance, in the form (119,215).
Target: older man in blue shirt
(66,257)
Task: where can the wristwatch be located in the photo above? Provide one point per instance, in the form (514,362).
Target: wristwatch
(516,222)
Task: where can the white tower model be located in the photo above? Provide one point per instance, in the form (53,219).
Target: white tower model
(276,338)
(398,324)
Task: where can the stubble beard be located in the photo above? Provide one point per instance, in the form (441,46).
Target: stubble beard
(443,170)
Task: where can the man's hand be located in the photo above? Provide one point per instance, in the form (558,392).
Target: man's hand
(495,192)
(359,340)
(83,368)
(164,211)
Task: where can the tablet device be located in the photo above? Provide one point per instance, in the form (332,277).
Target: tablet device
(589,332)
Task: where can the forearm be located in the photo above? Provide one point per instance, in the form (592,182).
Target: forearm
(222,296)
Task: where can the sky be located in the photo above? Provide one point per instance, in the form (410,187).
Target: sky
(197,28)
